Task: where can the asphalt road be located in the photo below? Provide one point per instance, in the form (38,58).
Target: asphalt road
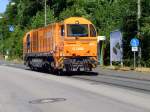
(128,79)
(28,91)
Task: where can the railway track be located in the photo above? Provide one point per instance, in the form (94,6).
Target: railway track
(119,81)
(140,84)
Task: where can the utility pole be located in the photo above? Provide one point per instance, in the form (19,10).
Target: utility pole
(138,15)
(138,29)
(45,14)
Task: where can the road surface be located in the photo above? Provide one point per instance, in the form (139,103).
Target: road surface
(28,91)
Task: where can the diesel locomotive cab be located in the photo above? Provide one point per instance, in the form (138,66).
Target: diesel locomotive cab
(69,45)
(80,45)
(79,39)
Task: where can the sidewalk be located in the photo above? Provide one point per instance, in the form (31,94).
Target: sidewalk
(123,73)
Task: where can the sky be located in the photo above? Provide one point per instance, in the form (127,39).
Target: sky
(3,4)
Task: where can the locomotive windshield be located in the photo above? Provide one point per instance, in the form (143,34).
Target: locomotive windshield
(77,30)
(92,31)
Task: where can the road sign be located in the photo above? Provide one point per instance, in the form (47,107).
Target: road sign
(134,42)
(101,38)
(134,49)
(11,28)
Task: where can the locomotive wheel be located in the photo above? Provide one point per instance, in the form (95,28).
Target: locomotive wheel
(90,68)
(53,70)
(60,72)
(33,68)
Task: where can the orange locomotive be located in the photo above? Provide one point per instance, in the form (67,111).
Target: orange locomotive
(70,45)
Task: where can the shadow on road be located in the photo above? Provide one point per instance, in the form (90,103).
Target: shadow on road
(81,73)
(73,73)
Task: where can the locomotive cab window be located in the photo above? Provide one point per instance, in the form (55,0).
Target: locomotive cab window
(77,30)
(62,30)
(28,41)
(92,31)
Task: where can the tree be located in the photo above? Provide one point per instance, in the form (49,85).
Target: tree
(107,15)
(38,19)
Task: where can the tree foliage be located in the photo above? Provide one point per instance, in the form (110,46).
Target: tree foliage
(107,15)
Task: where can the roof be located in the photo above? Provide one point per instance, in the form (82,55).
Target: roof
(79,20)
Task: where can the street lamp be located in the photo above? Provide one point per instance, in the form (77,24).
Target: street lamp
(12,3)
(1,17)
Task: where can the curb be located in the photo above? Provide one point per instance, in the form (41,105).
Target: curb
(138,69)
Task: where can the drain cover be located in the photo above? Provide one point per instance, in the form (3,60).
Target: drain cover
(47,100)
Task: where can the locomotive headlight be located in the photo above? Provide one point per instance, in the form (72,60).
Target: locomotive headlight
(91,44)
(76,22)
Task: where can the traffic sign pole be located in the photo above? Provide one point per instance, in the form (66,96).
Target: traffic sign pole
(139,57)
(134,60)
(135,44)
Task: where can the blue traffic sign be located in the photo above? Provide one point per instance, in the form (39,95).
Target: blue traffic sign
(11,28)
(134,42)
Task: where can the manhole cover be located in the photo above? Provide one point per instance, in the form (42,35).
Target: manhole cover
(47,100)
